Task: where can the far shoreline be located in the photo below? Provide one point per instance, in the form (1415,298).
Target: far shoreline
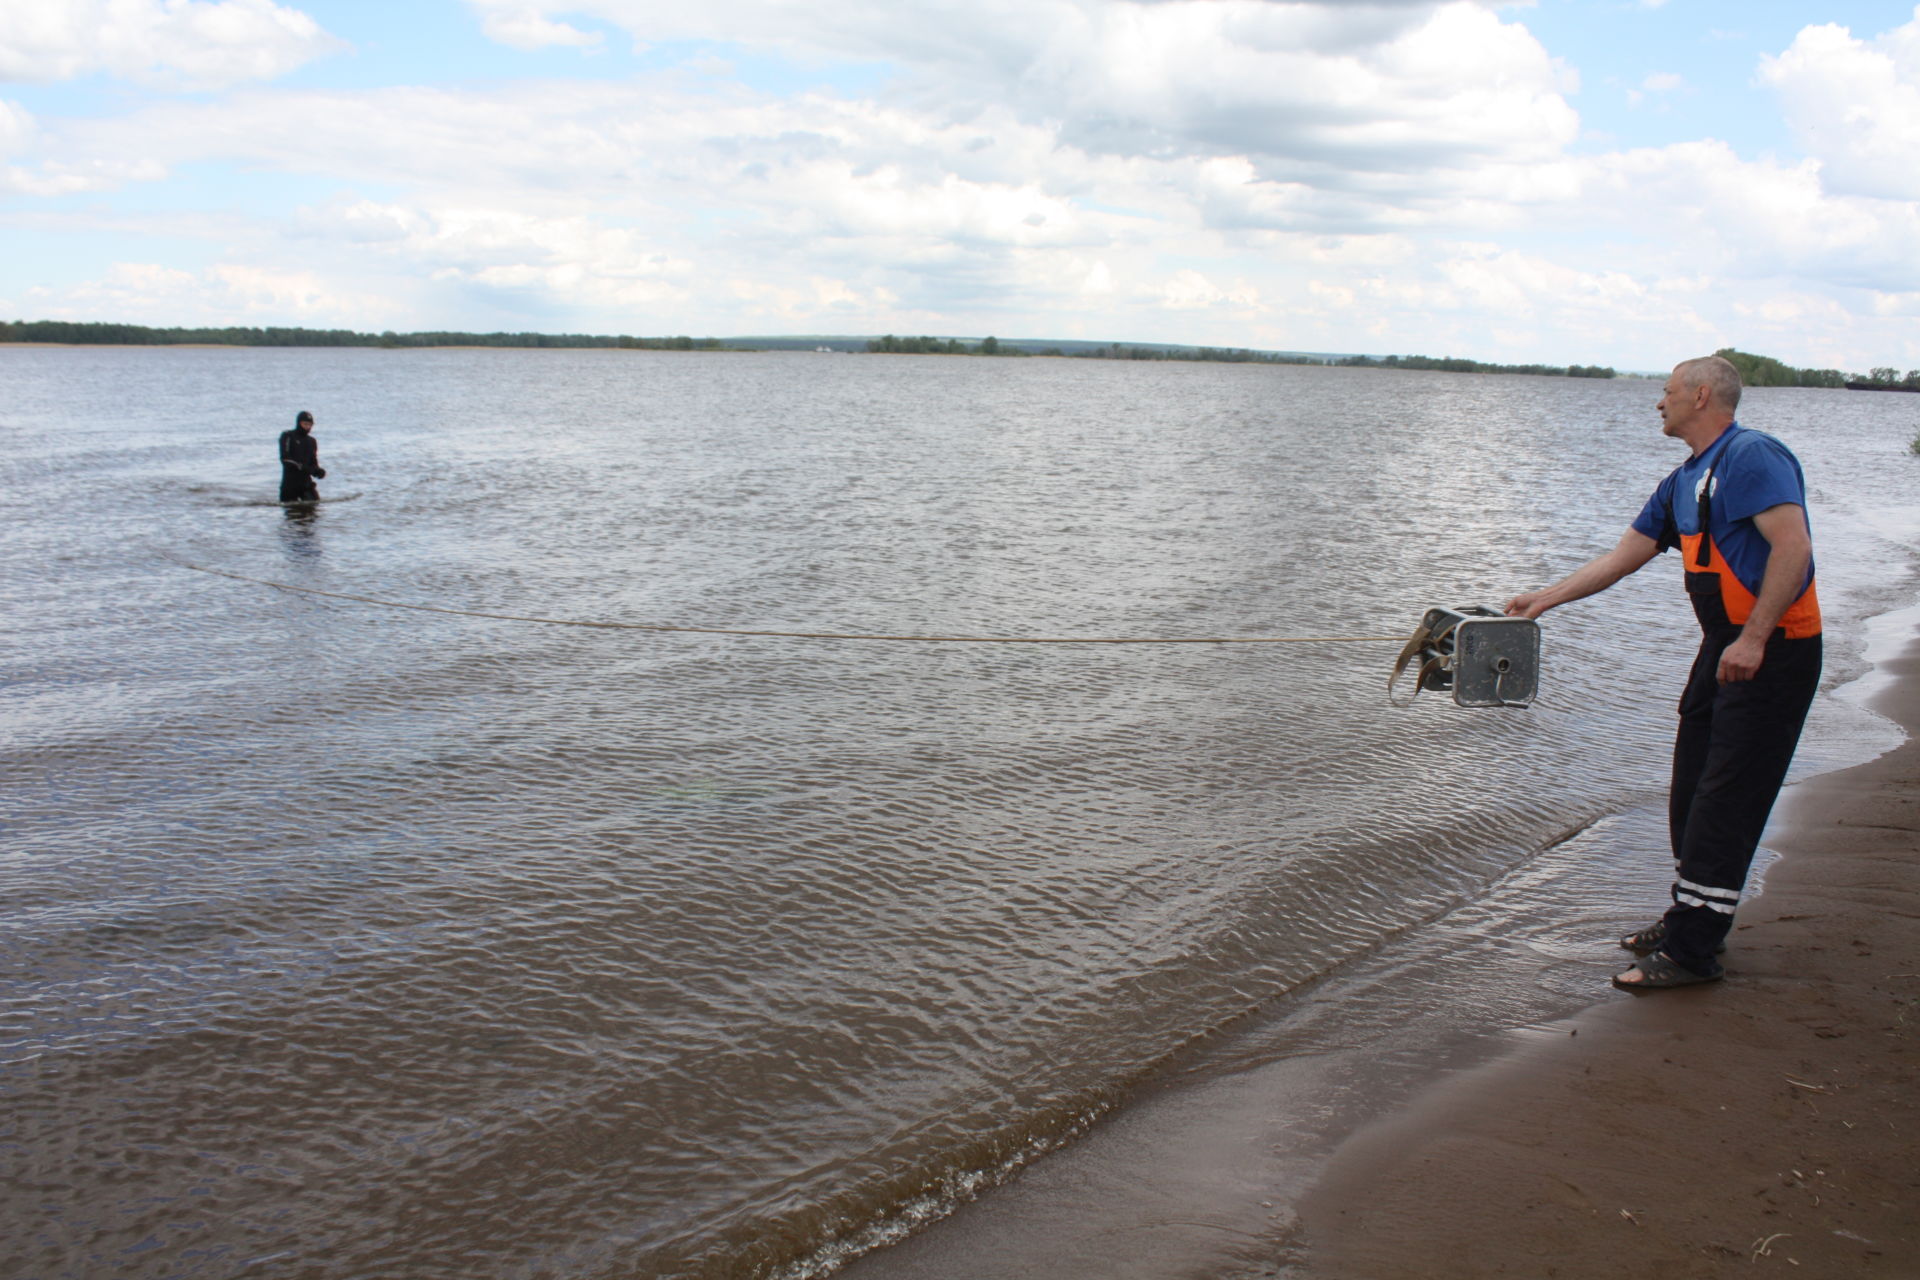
(1379,364)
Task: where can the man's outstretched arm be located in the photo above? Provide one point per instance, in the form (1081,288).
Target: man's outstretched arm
(1633,551)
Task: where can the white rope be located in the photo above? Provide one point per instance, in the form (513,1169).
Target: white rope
(795,635)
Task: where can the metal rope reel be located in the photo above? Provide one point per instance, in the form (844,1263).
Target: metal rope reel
(1483,657)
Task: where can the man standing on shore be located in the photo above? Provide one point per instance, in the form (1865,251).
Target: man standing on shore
(1737,510)
(300,462)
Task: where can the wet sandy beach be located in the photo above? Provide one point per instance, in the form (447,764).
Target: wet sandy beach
(1767,1122)
(1470,1100)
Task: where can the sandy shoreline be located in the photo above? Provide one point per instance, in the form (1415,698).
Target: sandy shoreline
(1771,1120)
(1280,1156)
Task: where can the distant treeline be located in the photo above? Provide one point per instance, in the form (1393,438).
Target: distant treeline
(925,346)
(1209,355)
(1236,355)
(1765,371)
(929,346)
(135,335)
(1453,364)
(1755,371)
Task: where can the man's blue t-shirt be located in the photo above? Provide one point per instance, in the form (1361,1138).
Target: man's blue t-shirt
(1751,471)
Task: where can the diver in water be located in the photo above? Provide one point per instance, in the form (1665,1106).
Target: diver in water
(300,462)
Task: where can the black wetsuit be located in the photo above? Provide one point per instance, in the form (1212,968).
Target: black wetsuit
(299,465)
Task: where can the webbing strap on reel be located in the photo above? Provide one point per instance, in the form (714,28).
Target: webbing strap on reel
(1483,657)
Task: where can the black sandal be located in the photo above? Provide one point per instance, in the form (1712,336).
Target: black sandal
(1650,939)
(1658,973)
(1642,941)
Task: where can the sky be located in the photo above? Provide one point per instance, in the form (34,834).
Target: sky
(1623,182)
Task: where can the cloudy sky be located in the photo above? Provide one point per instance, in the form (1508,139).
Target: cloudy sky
(1610,181)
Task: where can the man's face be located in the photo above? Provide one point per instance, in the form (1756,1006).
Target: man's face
(306,425)
(1678,404)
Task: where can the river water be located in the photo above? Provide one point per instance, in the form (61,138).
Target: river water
(343,941)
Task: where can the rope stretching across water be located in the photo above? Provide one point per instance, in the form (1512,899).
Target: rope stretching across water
(791,635)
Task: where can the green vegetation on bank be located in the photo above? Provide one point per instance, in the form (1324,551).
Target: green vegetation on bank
(1755,370)
(96,333)
(1452,364)
(925,346)
(928,346)
(1890,378)
(1765,371)
(134,335)
(1205,355)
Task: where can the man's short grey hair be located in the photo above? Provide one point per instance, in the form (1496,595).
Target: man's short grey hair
(1716,374)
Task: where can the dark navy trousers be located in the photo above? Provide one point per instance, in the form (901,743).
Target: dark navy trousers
(1729,758)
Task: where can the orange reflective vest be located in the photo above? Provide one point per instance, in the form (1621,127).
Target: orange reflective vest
(1719,598)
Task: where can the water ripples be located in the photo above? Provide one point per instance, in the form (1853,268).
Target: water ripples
(344,941)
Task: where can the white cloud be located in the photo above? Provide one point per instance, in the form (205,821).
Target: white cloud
(523,26)
(69,177)
(807,168)
(1413,85)
(152,293)
(1191,291)
(1896,304)
(192,44)
(504,251)
(1506,304)
(1655,84)
(1304,86)
(597,201)
(1782,311)
(808,303)
(16,127)
(261,291)
(1523,285)
(1855,104)
(1759,219)
(888,202)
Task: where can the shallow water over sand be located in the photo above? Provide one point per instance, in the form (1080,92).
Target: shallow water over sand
(345,941)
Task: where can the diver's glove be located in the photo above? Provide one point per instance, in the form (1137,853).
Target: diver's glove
(319,473)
